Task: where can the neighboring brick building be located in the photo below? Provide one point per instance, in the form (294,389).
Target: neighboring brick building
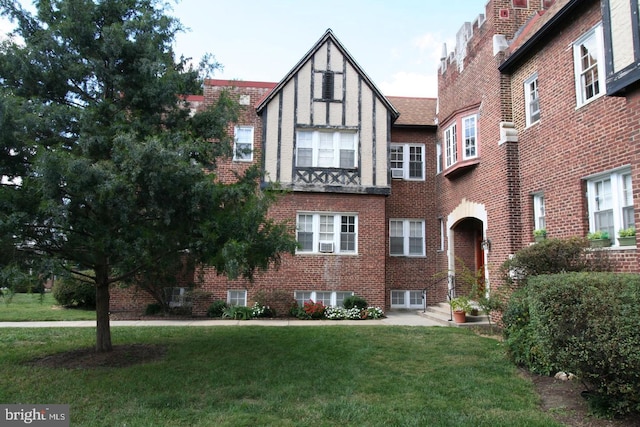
(536,126)
(529,138)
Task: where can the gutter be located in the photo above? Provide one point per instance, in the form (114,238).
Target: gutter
(557,20)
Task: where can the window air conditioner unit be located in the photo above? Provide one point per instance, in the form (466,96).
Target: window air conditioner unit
(326,247)
(397,173)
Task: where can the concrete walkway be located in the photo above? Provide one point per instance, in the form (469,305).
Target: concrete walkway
(394,318)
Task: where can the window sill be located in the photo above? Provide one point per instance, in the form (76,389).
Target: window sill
(461,168)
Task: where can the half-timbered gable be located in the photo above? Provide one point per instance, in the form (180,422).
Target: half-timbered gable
(326,125)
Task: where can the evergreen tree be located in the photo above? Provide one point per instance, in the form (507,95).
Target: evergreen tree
(104,169)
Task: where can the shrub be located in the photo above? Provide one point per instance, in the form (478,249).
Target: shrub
(72,292)
(553,256)
(258,310)
(583,323)
(355,301)
(297,311)
(315,310)
(153,309)
(217,308)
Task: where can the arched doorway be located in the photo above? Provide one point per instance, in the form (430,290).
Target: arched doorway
(469,256)
(467,247)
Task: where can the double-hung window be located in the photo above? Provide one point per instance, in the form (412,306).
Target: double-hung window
(470,149)
(438,157)
(326,149)
(531,102)
(406,237)
(450,145)
(327,233)
(407,161)
(243,147)
(588,56)
(610,200)
(539,212)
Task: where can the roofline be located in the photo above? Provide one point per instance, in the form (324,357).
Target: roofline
(239,83)
(555,21)
(406,125)
(326,36)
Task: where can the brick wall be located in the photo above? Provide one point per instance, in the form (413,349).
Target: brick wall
(255,91)
(553,156)
(569,143)
(417,200)
(363,273)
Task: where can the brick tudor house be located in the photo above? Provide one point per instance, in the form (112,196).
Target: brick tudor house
(535,126)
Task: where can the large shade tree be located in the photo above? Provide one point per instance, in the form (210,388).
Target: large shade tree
(104,169)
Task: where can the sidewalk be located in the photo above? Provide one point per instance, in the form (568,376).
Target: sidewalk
(394,318)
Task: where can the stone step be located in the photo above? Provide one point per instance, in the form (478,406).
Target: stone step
(441,313)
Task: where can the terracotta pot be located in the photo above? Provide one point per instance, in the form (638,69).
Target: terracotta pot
(459,316)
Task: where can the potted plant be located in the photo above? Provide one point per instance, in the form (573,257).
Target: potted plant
(627,236)
(460,307)
(599,239)
(539,234)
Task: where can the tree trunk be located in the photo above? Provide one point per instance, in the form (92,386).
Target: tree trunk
(103,329)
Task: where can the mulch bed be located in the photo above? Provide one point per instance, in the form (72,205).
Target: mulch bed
(87,358)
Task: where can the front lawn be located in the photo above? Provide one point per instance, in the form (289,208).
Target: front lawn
(38,307)
(277,376)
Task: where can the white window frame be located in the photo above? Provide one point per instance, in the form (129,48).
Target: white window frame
(438,157)
(470,137)
(240,144)
(442,234)
(338,229)
(451,145)
(611,191)
(237,297)
(408,153)
(327,148)
(531,100)
(403,298)
(328,298)
(406,230)
(594,38)
(539,213)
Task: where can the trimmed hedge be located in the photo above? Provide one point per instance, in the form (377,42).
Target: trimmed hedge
(553,256)
(71,292)
(584,323)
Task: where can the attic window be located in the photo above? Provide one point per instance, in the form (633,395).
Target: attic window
(327,85)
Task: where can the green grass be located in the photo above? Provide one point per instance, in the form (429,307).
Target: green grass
(278,376)
(38,307)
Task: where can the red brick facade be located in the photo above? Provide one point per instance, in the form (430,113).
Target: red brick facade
(476,211)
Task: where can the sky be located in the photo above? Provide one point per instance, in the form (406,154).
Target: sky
(398,43)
